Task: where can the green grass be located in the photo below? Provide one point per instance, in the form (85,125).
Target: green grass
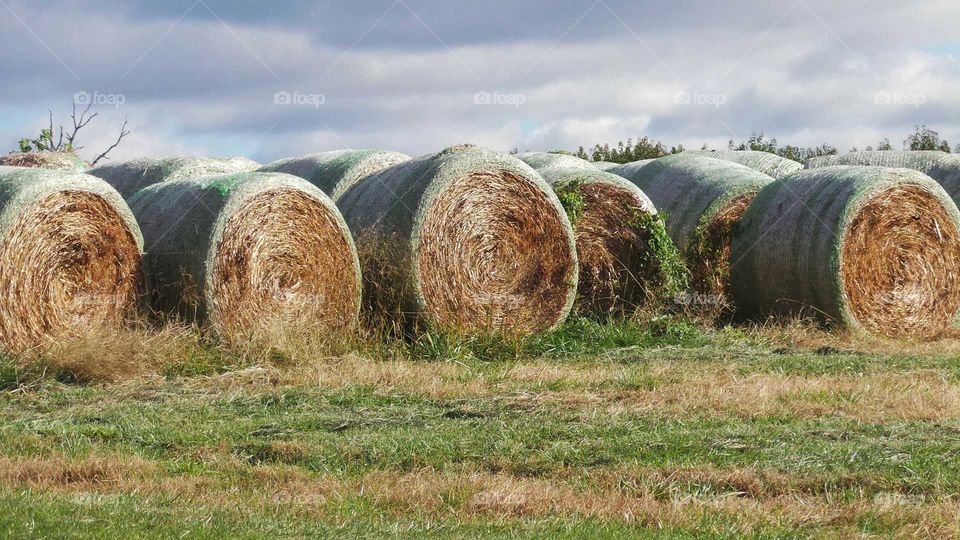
(563,419)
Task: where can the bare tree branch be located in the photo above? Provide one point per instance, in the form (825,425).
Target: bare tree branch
(80,123)
(123,133)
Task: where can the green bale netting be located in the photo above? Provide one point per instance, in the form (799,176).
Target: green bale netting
(248,252)
(128,177)
(627,260)
(701,199)
(70,255)
(59,161)
(941,166)
(765,162)
(867,248)
(465,240)
(604,165)
(334,172)
(629,170)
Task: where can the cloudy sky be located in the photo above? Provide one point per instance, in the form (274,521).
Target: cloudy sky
(281,78)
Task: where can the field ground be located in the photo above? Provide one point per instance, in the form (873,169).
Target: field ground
(620,431)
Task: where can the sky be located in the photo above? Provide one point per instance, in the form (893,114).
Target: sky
(283,78)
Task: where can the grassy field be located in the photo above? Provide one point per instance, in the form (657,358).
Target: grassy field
(629,430)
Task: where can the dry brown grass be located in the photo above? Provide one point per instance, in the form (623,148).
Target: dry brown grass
(657,498)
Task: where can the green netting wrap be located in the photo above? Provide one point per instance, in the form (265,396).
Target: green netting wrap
(868,248)
(629,170)
(701,199)
(69,256)
(334,172)
(467,239)
(765,162)
(627,260)
(604,165)
(128,177)
(60,161)
(248,252)
(941,166)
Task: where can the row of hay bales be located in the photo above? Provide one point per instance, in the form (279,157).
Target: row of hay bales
(869,241)
(472,240)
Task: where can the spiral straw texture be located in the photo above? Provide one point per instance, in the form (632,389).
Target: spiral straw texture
(69,256)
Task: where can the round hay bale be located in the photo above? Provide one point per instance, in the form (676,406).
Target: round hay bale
(604,165)
(941,166)
(59,161)
(248,251)
(128,177)
(467,240)
(702,199)
(69,256)
(765,162)
(627,260)
(629,170)
(334,172)
(868,248)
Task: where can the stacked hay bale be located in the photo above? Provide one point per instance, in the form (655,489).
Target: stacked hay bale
(941,166)
(628,170)
(334,172)
(69,256)
(247,252)
(466,240)
(765,162)
(542,160)
(702,199)
(128,177)
(868,248)
(604,165)
(60,161)
(627,260)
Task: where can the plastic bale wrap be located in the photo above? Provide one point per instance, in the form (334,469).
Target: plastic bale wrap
(604,165)
(542,160)
(867,248)
(248,252)
(941,166)
(701,199)
(769,164)
(334,172)
(128,177)
(70,256)
(466,240)
(627,260)
(59,161)
(629,170)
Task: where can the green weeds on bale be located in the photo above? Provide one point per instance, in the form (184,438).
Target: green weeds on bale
(662,258)
(572,200)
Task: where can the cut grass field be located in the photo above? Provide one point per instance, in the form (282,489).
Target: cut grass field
(624,430)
